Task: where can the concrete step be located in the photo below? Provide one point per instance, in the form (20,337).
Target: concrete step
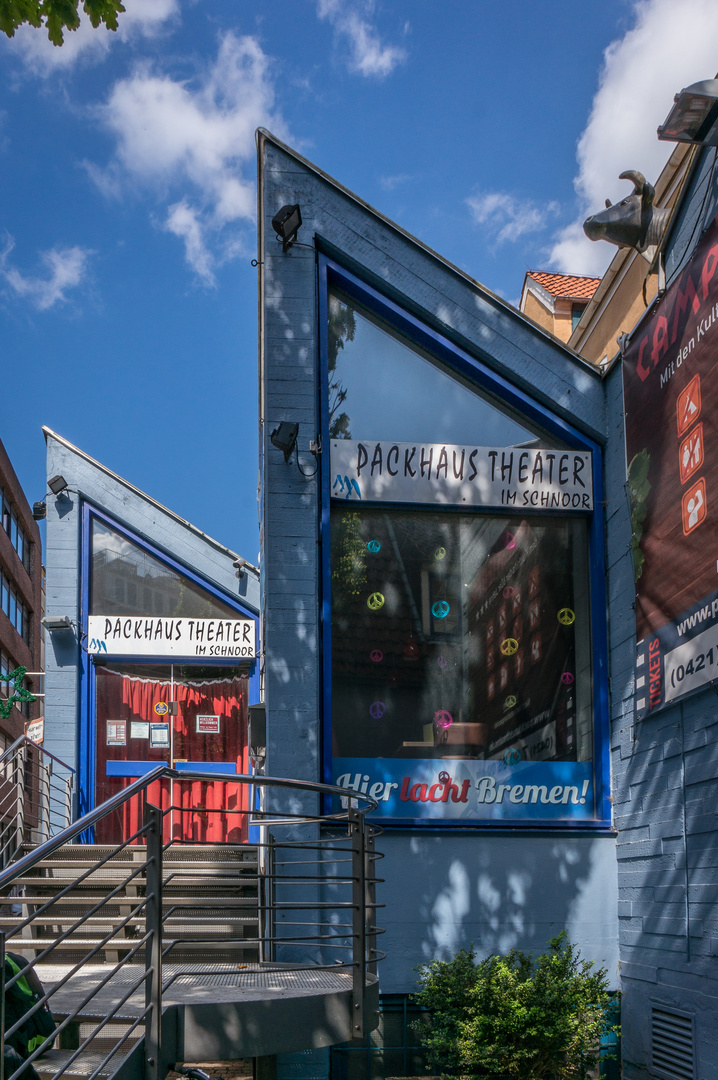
(84,1065)
(84,901)
(173,924)
(78,943)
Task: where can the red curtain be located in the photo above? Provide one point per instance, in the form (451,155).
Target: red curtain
(204,811)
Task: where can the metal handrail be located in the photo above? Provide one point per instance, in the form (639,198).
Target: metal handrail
(38,799)
(22,740)
(92,817)
(354,934)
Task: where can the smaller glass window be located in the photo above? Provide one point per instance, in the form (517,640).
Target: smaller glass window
(127,580)
(5,595)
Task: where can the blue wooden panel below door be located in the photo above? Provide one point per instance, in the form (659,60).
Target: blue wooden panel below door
(141,768)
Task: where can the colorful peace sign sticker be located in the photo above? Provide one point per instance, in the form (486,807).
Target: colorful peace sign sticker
(440,609)
(509,646)
(375,601)
(374,546)
(440,554)
(567,678)
(565,616)
(512,756)
(376,656)
(510,701)
(443,718)
(377,710)
(444,778)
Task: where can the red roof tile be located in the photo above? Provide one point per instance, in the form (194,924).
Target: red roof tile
(566,285)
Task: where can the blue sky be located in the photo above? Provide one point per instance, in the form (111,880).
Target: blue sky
(128,302)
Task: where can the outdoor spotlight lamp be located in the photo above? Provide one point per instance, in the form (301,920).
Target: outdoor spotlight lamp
(57,484)
(57,623)
(694,116)
(286,223)
(284,437)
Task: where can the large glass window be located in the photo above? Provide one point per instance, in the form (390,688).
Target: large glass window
(459,636)
(460,639)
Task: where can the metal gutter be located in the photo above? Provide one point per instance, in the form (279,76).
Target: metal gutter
(263,134)
(148,498)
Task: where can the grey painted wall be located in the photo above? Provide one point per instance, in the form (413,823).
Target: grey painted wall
(87,479)
(442,891)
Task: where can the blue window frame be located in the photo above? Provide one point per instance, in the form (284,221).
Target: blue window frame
(87,748)
(565,793)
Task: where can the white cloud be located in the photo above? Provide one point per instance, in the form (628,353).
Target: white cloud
(182,220)
(65,269)
(172,135)
(368,56)
(390,182)
(670,45)
(508,218)
(142,18)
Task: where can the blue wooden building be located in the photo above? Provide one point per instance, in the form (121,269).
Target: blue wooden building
(151,623)
(437,567)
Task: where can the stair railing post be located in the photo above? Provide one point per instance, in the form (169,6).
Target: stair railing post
(2,1006)
(68,799)
(20,795)
(370,880)
(356,829)
(153,946)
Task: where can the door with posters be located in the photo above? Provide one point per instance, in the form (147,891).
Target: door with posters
(189,717)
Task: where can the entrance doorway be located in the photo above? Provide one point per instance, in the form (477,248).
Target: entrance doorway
(187,716)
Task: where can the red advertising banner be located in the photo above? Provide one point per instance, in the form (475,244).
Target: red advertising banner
(670,385)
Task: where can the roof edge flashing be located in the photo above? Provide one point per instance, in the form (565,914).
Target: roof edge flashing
(50,434)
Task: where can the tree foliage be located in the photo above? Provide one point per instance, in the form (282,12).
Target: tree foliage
(514,1016)
(57,15)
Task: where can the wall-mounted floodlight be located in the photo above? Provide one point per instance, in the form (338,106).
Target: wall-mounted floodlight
(57,623)
(39,510)
(57,484)
(240,566)
(286,223)
(694,116)
(284,437)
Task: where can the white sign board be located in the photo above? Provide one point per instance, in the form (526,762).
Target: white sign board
(35,730)
(208,725)
(503,477)
(140,635)
(159,735)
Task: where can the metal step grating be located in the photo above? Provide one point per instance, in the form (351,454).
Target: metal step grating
(672,1044)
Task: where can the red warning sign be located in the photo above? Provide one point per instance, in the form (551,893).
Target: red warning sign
(690,453)
(694,505)
(688,406)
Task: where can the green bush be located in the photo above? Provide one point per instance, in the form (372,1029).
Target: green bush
(514,1016)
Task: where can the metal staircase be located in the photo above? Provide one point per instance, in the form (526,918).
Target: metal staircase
(153,954)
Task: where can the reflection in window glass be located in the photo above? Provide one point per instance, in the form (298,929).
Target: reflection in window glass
(381,387)
(460,635)
(125,580)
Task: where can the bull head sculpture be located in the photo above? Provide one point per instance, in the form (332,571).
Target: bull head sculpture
(634,222)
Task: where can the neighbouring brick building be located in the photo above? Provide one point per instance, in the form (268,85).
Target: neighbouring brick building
(21,587)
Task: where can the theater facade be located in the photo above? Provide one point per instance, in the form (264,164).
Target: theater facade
(435,577)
